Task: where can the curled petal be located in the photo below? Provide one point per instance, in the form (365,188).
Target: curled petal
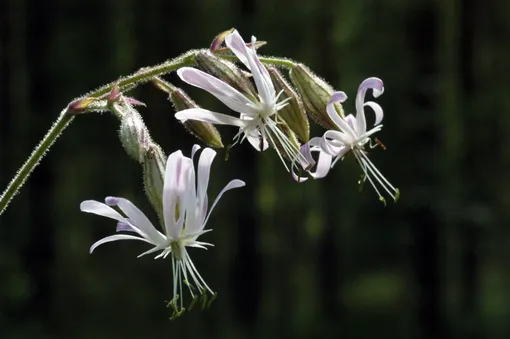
(377,86)
(377,110)
(337,119)
(205,115)
(323,166)
(306,151)
(337,97)
(227,94)
(323,163)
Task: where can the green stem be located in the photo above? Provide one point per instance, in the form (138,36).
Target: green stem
(65,119)
(278,61)
(266,60)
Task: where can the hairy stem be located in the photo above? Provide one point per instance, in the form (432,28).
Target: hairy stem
(64,119)
(266,60)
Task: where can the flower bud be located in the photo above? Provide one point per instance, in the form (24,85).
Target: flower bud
(153,176)
(80,105)
(294,112)
(201,130)
(316,94)
(218,40)
(226,71)
(134,135)
(85,105)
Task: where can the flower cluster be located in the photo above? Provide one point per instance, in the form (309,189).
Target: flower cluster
(271,113)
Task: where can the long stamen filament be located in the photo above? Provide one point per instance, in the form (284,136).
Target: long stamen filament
(291,151)
(198,274)
(364,168)
(379,176)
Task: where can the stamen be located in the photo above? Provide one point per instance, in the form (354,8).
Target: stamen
(364,168)
(291,151)
(367,165)
(198,274)
(379,174)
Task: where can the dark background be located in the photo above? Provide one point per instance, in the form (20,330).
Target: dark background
(292,261)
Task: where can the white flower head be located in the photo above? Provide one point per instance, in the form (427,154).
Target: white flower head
(257,121)
(352,135)
(185,212)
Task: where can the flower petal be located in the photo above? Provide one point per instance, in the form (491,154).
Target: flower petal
(377,110)
(205,115)
(236,183)
(138,219)
(173,191)
(337,119)
(125,227)
(189,203)
(204,170)
(333,140)
(248,56)
(254,138)
(227,94)
(194,150)
(115,238)
(96,207)
(323,166)
(323,163)
(377,86)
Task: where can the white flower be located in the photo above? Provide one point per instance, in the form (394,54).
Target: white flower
(352,135)
(257,119)
(185,216)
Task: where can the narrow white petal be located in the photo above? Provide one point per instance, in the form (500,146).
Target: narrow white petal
(177,169)
(236,183)
(194,150)
(236,44)
(96,207)
(205,115)
(204,170)
(189,204)
(115,238)
(249,58)
(227,94)
(141,221)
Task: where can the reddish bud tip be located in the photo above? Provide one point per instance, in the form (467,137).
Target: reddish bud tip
(218,40)
(134,102)
(80,105)
(114,94)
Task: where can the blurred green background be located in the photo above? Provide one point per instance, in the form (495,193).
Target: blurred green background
(292,261)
